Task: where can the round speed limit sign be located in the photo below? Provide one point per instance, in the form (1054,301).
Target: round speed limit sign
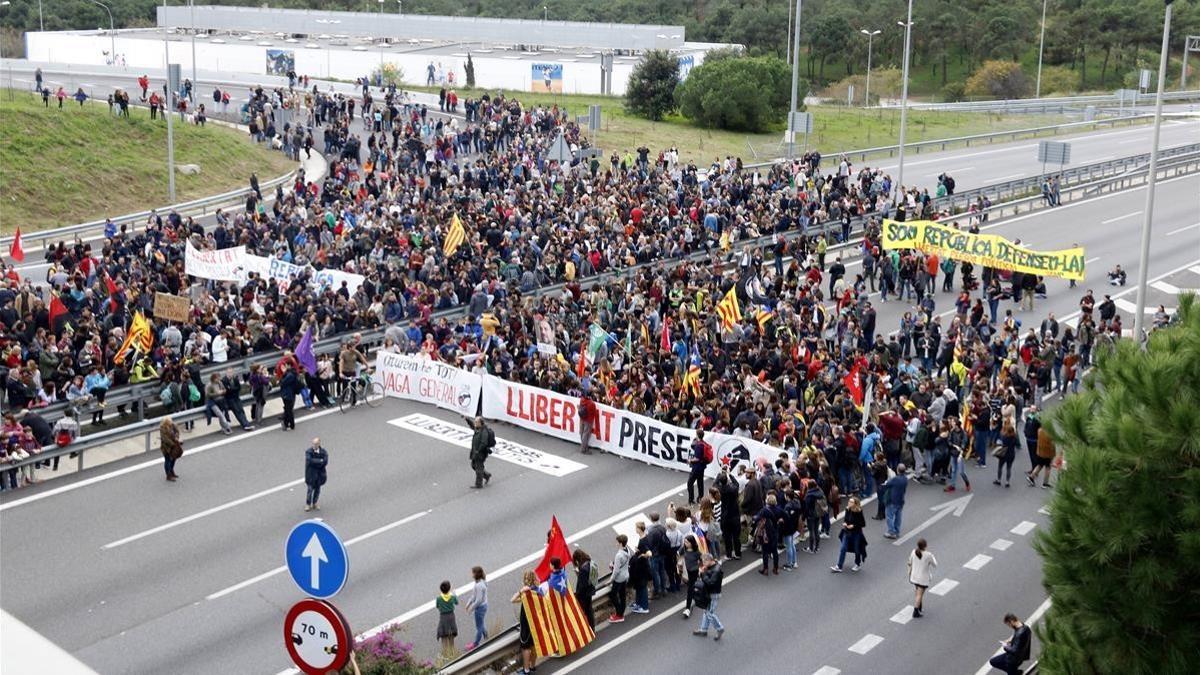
(317,637)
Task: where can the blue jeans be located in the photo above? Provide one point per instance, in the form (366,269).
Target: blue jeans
(641,598)
(852,539)
(710,614)
(893,512)
(982,438)
(958,468)
(658,574)
(480,631)
(846,478)
(789,549)
(868,486)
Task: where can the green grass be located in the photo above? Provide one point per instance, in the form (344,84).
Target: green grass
(62,167)
(835,128)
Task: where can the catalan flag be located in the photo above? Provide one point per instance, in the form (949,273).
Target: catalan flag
(140,338)
(454,238)
(691,379)
(729,310)
(763,317)
(556,621)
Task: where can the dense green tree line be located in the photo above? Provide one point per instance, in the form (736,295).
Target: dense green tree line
(1099,38)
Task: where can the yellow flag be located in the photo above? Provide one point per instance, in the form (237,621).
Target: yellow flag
(454,238)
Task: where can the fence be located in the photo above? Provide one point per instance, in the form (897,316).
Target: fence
(1053,105)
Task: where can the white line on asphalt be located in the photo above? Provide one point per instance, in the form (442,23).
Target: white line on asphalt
(154,462)
(903,616)
(827,670)
(944,586)
(1031,621)
(1001,544)
(1010,177)
(1195,269)
(977,562)
(867,643)
(1131,307)
(1193,226)
(1045,511)
(1089,261)
(279,570)
(600,650)
(1127,215)
(1023,528)
(196,516)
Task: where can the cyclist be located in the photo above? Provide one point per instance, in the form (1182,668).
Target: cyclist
(348,362)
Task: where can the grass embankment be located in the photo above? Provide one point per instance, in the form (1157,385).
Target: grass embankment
(835,128)
(62,167)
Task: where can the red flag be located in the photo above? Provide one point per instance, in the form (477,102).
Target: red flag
(110,285)
(581,367)
(556,547)
(665,341)
(854,384)
(17,251)
(57,309)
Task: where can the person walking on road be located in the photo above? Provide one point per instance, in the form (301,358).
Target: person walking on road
(852,536)
(690,563)
(920,573)
(589,421)
(698,460)
(711,576)
(171,446)
(1015,650)
(315,459)
(766,533)
(289,386)
(477,605)
(894,489)
(1043,457)
(481,446)
(1007,452)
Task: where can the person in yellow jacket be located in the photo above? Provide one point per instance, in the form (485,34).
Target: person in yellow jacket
(143,371)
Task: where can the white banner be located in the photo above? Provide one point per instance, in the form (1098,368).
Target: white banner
(620,432)
(505,450)
(223,265)
(334,278)
(420,379)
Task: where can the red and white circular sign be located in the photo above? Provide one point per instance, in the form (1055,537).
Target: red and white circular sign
(317,637)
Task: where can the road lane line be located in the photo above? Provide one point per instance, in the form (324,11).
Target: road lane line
(1127,215)
(1001,544)
(1023,528)
(944,586)
(827,670)
(866,643)
(1195,269)
(157,463)
(279,570)
(1010,177)
(903,616)
(1193,226)
(986,668)
(196,516)
(977,562)
(1044,511)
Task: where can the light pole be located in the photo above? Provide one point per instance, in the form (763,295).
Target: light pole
(791,127)
(381,7)
(195,80)
(167,113)
(904,102)
(870,38)
(1041,46)
(400,8)
(1144,260)
(112,31)
(41,21)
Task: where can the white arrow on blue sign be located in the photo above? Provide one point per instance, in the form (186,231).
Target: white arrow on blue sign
(316,559)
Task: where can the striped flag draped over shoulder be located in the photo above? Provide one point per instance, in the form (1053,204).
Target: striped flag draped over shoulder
(556,621)
(729,310)
(455,237)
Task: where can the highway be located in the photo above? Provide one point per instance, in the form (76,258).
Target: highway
(132,574)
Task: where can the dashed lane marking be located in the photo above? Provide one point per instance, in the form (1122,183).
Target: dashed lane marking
(903,616)
(1001,544)
(1023,528)
(944,586)
(866,644)
(978,562)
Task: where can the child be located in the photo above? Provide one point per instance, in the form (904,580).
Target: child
(447,628)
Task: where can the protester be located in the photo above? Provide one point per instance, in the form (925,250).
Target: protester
(447,627)
(482,442)
(171,446)
(895,489)
(477,605)
(920,574)
(620,579)
(315,460)
(586,578)
(1015,650)
(852,536)
(709,595)
(525,637)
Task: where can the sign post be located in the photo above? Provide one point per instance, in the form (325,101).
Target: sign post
(317,637)
(316,559)
(1054,152)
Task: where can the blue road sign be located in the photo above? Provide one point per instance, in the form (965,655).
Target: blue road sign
(316,559)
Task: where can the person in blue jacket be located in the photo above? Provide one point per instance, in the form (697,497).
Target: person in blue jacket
(895,488)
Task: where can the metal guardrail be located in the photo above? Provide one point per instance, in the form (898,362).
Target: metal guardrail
(1051,104)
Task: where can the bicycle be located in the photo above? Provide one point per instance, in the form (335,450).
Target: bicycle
(361,389)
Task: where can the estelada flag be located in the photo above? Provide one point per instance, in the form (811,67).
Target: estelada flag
(140,337)
(17,251)
(454,238)
(556,547)
(729,310)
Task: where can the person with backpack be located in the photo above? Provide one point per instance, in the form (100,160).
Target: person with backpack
(482,443)
(766,533)
(793,509)
(698,460)
(586,580)
(815,508)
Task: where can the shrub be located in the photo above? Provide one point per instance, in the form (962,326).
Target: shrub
(388,73)
(885,83)
(386,654)
(747,94)
(954,92)
(1059,80)
(999,79)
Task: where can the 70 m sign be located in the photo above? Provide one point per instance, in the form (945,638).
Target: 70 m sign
(317,637)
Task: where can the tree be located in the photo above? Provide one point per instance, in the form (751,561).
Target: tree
(747,94)
(651,89)
(998,79)
(1122,553)
(829,36)
(470,68)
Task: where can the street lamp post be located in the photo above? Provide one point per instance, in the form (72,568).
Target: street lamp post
(791,126)
(167,112)
(870,39)
(1041,46)
(904,102)
(1139,316)
(112,31)
(195,79)
(400,7)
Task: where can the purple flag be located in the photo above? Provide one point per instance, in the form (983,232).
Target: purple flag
(304,352)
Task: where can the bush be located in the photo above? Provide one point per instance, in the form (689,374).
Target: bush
(885,83)
(470,68)
(998,79)
(388,73)
(954,92)
(386,654)
(1059,80)
(748,94)
(651,89)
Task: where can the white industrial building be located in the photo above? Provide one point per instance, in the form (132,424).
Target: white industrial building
(513,54)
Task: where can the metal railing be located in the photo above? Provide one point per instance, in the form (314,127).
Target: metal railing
(1052,104)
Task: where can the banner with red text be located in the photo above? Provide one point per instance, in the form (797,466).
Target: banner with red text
(620,432)
(417,378)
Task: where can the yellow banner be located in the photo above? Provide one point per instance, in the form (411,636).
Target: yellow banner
(982,249)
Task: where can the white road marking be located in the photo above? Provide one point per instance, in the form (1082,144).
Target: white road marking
(1089,261)
(1010,177)
(157,463)
(1131,307)
(986,668)
(1045,510)
(1001,544)
(903,616)
(508,451)
(628,527)
(1193,226)
(1023,528)
(867,643)
(279,570)
(1127,215)
(827,670)
(196,516)
(1172,288)
(944,586)
(1195,269)
(978,562)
